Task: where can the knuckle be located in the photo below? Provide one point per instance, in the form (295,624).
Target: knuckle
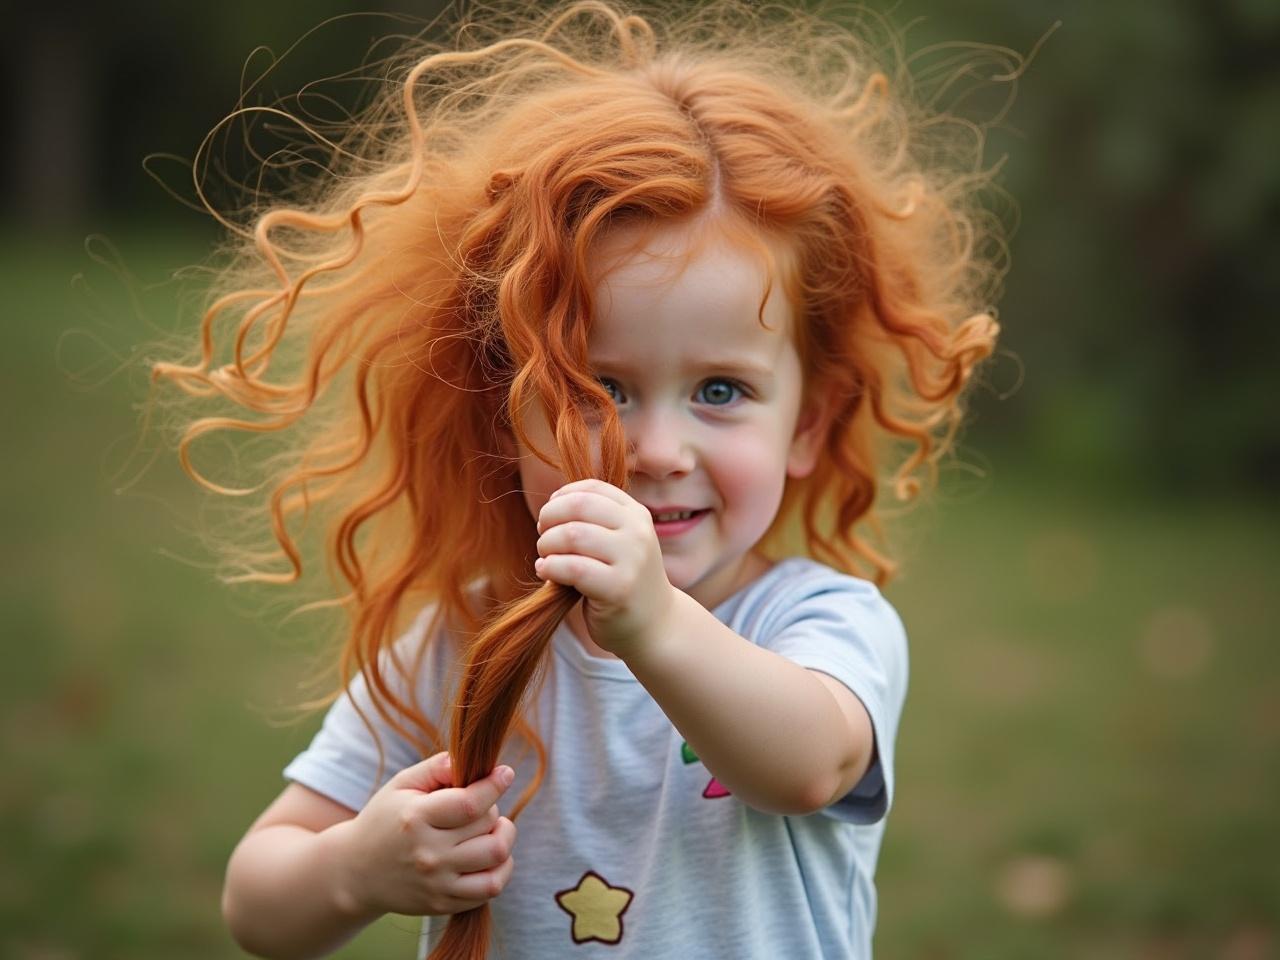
(426,862)
(469,808)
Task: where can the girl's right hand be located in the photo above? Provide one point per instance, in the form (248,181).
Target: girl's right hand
(422,846)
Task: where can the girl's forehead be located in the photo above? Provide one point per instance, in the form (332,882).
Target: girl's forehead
(652,251)
(709,280)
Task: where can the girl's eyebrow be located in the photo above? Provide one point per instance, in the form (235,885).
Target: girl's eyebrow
(741,367)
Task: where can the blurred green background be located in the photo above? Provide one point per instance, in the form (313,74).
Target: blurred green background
(1089,762)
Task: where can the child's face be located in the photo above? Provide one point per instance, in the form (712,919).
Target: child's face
(708,398)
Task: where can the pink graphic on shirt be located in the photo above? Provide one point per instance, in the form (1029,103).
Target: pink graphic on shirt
(715,788)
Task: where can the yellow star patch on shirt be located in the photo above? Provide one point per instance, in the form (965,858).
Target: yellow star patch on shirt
(596,908)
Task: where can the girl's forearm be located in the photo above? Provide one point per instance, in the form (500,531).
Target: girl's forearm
(283,897)
(765,726)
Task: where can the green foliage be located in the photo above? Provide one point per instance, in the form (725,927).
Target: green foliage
(1146,268)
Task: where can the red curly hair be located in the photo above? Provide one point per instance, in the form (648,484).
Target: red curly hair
(388,328)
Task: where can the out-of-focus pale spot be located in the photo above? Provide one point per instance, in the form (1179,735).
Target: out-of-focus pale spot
(1176,642)
(1062,566)
(1003,673)
(1034,886)
(1251,941)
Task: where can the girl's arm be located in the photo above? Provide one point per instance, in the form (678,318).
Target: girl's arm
(310,873)
(781,737)
(283,895)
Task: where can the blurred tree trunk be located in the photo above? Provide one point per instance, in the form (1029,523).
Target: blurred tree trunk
(53,142)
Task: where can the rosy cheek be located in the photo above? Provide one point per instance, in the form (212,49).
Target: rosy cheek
(537,481)
(749,476)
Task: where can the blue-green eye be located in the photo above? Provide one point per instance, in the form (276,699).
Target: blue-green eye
(719,391)
(611,389)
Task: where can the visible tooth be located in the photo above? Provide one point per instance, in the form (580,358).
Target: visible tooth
(683,515)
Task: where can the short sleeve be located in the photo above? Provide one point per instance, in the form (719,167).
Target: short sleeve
(844,627)
(342,760)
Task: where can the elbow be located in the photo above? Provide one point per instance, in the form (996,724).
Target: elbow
(825,790)
(819,794)
(234,921)
(231,919)
(798,801)
(239,924)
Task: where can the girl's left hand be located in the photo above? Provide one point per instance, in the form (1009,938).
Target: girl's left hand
(598,539)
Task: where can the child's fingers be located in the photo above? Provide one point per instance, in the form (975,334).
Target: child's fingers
(585,505)
(594,485)
(591,577)
(485,852)
(459,806)
(584,539)
(430,774)
(482,886)
(476,828)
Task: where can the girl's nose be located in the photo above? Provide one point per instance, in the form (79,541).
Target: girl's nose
(658,445)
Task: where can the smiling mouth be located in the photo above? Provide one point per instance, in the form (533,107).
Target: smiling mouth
(675,515)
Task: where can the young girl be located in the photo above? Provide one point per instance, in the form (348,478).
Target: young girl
(593,317)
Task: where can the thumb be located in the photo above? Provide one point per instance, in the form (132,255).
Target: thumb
(430,774)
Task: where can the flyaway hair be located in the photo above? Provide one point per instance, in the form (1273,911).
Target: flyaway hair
(389,328)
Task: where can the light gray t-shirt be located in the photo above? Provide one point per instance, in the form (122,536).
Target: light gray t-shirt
(631,849)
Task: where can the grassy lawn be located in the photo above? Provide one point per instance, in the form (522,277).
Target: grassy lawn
(1089,765)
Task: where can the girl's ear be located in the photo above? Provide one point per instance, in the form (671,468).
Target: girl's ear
(811,431)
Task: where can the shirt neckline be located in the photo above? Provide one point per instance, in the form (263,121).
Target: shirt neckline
(569,648)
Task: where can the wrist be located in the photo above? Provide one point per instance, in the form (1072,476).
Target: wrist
(660,637)
(345,891)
